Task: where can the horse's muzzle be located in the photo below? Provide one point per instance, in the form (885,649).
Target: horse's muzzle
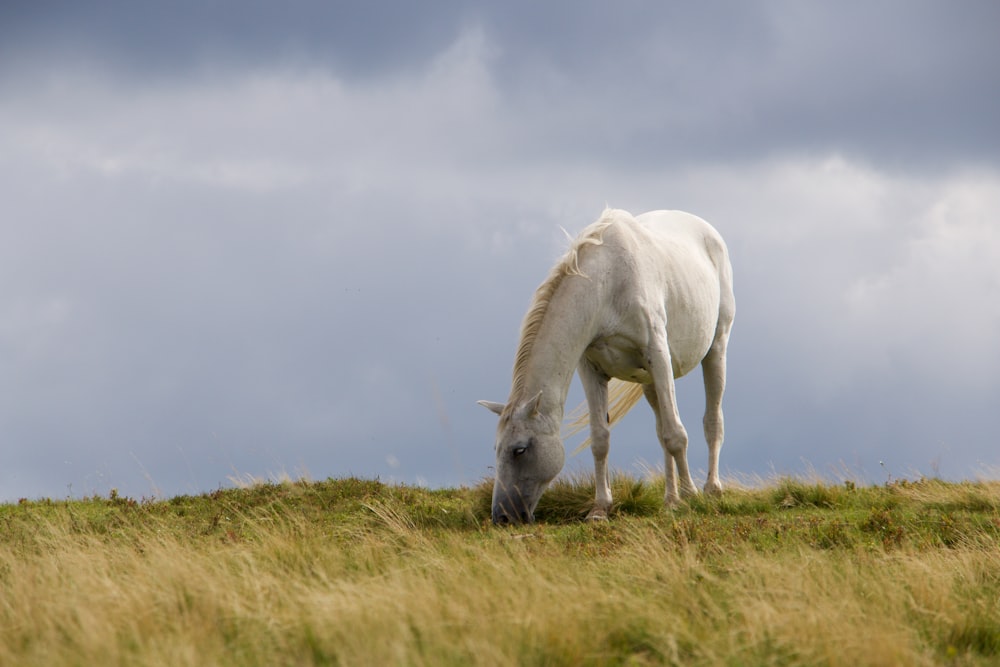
(505,519)
(508,511)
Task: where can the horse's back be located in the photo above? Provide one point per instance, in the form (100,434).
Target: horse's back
(693,262)
(678,227)
(688,246)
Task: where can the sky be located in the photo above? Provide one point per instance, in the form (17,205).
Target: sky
(253,240)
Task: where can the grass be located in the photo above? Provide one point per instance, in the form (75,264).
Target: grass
(356,572)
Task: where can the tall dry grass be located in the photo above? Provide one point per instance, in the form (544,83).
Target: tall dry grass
(378,583)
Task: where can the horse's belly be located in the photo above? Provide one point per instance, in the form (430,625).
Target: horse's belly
(618,358)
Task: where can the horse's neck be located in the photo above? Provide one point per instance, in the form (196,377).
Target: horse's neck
(564,336)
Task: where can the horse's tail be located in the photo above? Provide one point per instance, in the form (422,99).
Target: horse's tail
(622,397)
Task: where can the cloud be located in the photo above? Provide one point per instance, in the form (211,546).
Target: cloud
(942,294)
(254,262)
(192,39)
(223,269)
(898,83)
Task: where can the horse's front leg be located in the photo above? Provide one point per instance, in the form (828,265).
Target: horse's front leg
(595,387)
(671,432)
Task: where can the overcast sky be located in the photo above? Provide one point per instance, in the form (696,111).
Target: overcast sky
(247,239)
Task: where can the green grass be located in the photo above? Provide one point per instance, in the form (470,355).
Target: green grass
(352,571)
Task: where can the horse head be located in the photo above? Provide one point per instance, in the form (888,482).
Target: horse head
(529,455)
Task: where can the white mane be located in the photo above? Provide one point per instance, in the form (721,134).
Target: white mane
(568,265)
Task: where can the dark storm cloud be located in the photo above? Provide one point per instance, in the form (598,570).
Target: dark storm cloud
(177,39)
(251,238)
(888,81)
(913,84)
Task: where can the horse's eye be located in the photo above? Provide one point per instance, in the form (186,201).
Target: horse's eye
(517,451)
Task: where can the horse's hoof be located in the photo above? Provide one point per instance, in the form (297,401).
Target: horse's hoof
(597,515)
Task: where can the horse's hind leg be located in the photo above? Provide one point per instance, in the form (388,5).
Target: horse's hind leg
(595,387)
(714,370)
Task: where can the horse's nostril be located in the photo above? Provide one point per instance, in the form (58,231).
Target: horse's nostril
(502,520)
(525,518)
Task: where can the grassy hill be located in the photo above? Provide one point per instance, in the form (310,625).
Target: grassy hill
(356,572)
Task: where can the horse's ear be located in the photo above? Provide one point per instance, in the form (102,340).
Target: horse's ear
(530,409)
(492,407)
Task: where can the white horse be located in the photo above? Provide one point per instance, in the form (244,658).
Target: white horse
(641,300)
